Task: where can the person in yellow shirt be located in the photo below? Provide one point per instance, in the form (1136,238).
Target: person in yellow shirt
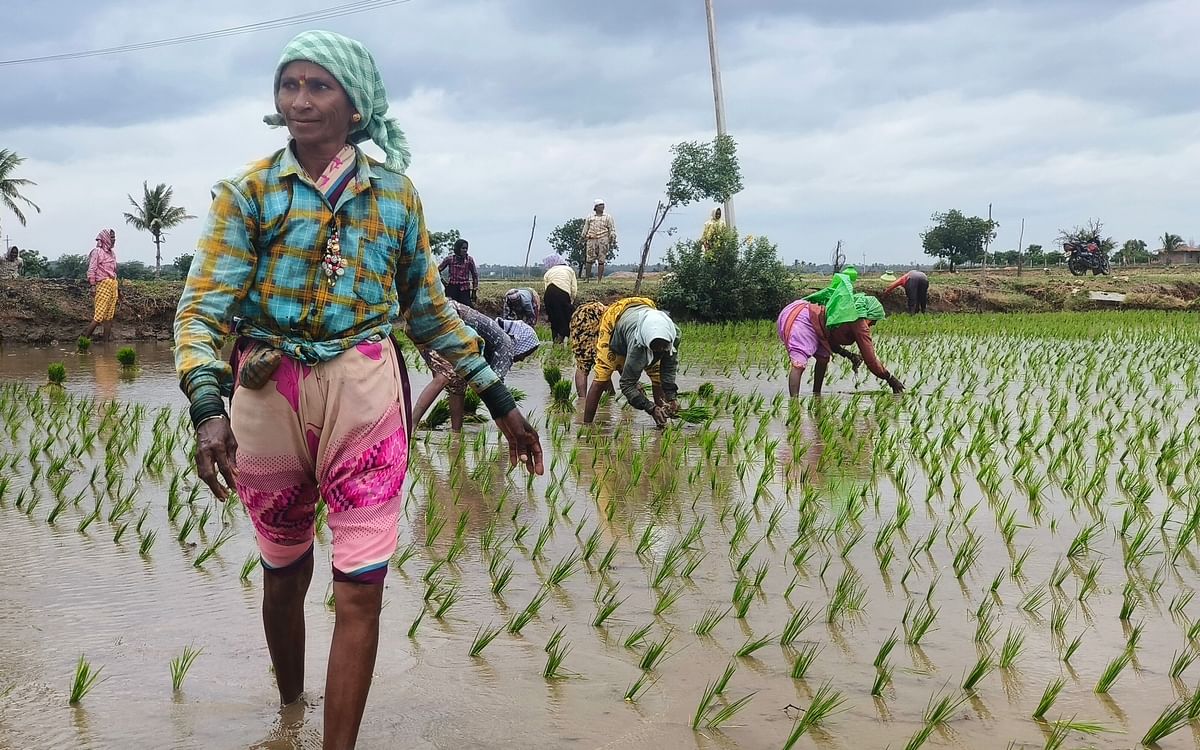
(561,287)
(712,229)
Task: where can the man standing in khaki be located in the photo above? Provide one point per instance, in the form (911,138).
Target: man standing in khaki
(599,237)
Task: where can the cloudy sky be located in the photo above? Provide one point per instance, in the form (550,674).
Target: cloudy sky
(856,119)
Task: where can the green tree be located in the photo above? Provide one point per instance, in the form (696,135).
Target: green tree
(69,267)
(699,171)
(958,239)
(1034,255)
(135,270)
(566,239)
(35,264)
(1092,231)
(10,186)
(156,215)
(183,264)
(441,242)
(1169,242)
(734,280)
(1133,251)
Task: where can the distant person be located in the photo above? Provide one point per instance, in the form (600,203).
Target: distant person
(102,275)
(711,231)
(522,304)
(504,342)
(462,284)
(809,330)
(11,264)
(599,237)
(916,290)
(562,286)
(636,337)
(585,328)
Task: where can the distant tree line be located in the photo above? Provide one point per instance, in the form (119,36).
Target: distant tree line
(74,266)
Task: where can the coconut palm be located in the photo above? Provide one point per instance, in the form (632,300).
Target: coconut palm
(155,215)
(10,187)
(1170,242)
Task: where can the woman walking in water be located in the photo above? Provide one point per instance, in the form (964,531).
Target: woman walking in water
(314,251)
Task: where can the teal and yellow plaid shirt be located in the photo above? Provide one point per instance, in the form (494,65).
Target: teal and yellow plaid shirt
(259,261)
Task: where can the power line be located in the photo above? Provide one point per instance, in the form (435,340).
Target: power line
(337,11)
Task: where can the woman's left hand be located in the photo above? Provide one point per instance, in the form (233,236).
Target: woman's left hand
(672,408)
(524,446)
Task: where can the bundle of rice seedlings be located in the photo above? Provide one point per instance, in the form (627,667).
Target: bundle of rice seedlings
(552,374)
(695,414)
(563,394)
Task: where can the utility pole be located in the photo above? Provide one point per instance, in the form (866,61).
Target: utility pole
(1021,247)
(718,93)
(987,240)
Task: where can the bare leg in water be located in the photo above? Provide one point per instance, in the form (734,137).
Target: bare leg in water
(351,660)
(283,621)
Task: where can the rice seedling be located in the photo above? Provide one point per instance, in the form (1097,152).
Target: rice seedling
(1182,660)
(637,637)
(824,704)
(563,570)
(147,542)
(804,660)
(883,678)
(918,625)
(85,679)
(752,645)
(983,667)
(1069,650)
(710,619)
(1113,671)
(638,687)
(412,629)
(181,664)
(1014,642)
(606,607)
(483,637)
(667,599)
(555,654)
(213,547)
(522,618)
(939,710)
(1173,718)
(1049,696)
(655,650)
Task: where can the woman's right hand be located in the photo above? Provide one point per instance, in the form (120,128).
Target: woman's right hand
(216,456)
(660,416)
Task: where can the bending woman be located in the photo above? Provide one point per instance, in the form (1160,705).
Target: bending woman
(504,342)
(805,329)
(636,337)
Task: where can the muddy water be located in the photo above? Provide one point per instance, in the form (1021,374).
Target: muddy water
(68,593)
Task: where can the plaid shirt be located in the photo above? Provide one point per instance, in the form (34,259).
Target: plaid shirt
(259,260)
(462,272)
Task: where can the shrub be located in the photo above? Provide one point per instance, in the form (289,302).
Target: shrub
(735,281)
(57,373)
(127,356)
(82,344)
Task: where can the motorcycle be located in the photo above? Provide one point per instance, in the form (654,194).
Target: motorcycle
(1083,258)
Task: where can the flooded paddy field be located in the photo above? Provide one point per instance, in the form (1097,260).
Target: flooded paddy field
(1004,556)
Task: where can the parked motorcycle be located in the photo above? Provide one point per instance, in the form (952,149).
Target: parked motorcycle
(1082,258)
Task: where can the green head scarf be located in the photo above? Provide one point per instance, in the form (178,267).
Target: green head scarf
(841,284)
(849,308)
(353,66)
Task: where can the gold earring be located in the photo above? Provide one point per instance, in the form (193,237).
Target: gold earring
(356,118)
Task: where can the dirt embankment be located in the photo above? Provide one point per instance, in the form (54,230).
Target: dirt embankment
(39,311)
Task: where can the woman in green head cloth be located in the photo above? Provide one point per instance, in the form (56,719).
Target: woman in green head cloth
(809,329)
(314,252)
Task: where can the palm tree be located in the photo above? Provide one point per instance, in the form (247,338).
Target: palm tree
(155,215)
(1170,242)
(10,187)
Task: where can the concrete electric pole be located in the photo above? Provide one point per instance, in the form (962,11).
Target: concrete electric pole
(718,94)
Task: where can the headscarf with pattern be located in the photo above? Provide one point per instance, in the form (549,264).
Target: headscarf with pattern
(353,66)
